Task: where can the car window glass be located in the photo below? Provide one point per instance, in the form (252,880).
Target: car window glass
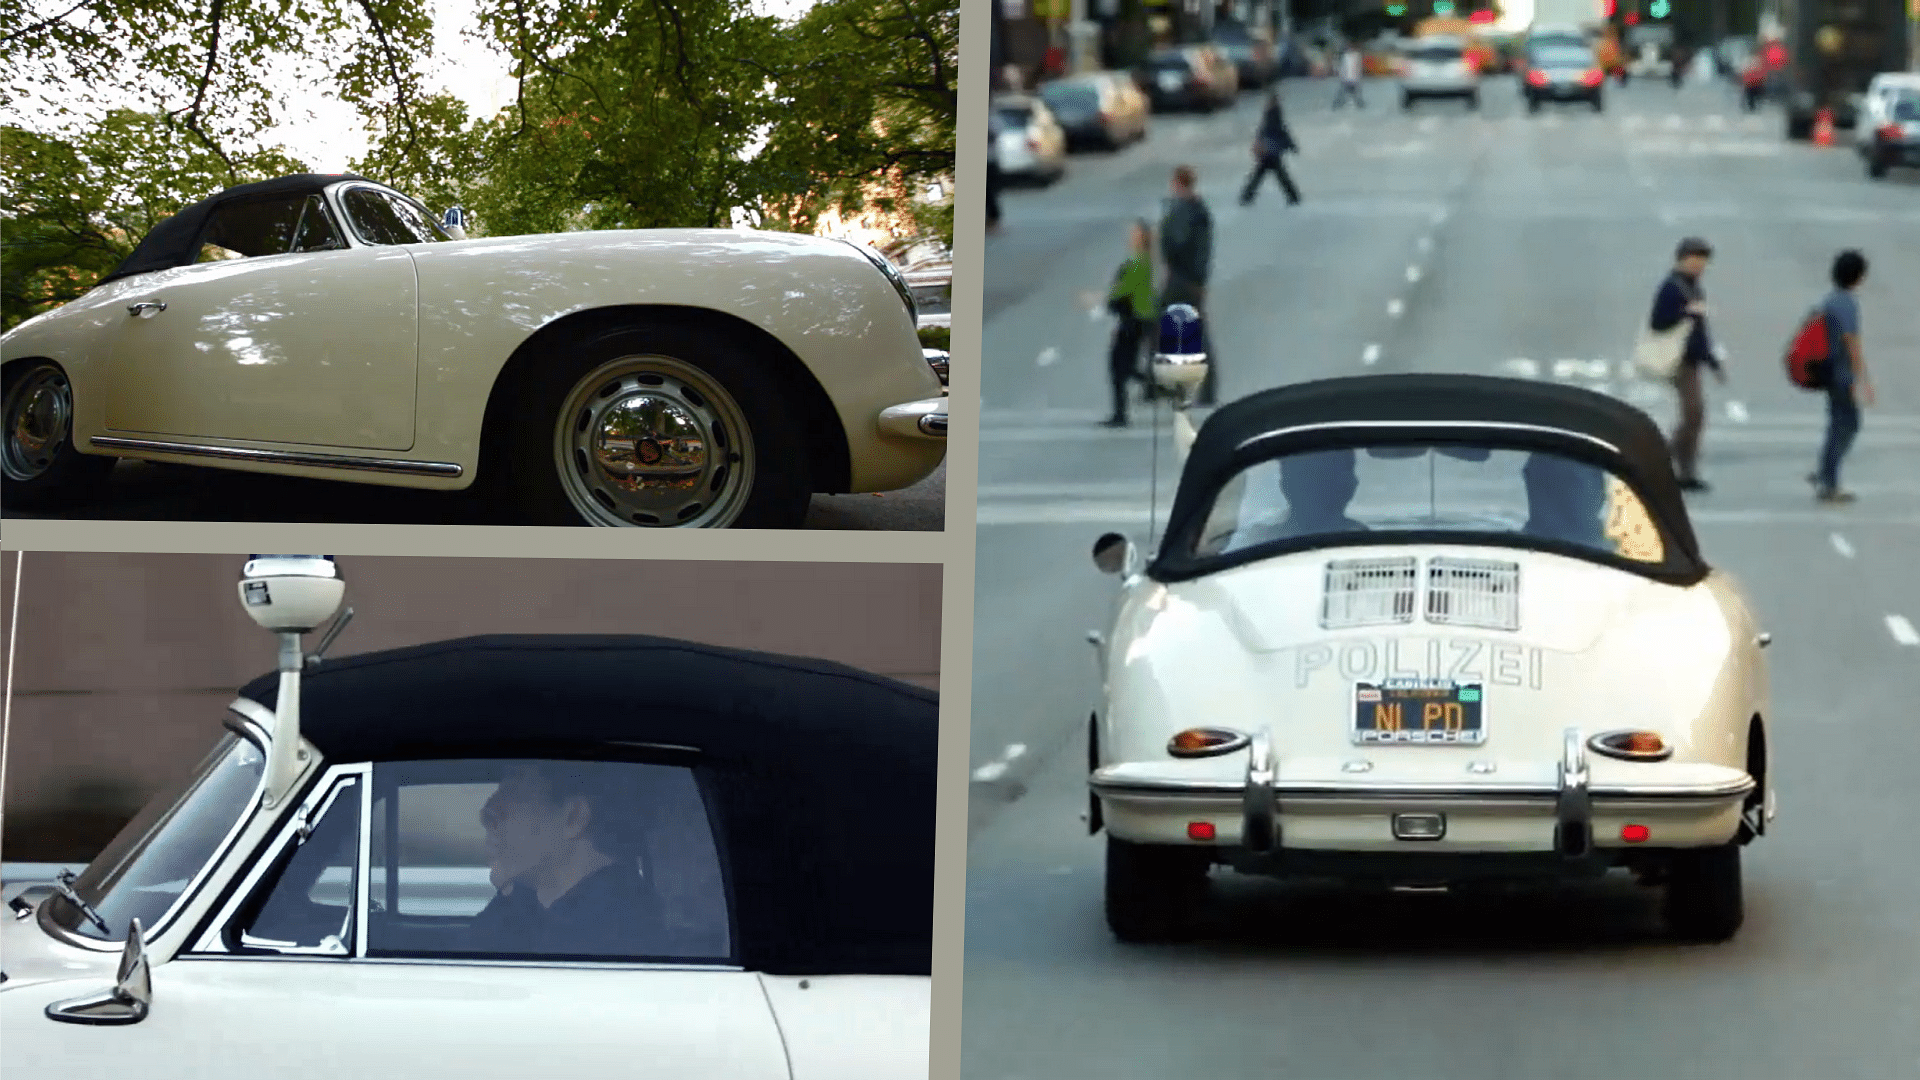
(249,230)
(1563,58)
(545,859)
(315,231)
(1075,97)
(1337,493)
(146,868)
(1434,54)
(1906,107)
(307,899)
(1017,115)
(382,219)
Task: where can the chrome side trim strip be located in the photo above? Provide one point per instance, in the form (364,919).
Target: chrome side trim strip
(282,457)
(1334,790)
(575,965)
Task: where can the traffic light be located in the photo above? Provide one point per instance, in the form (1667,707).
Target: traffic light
(1659,9)
(1396,10)
(1443,7)
(1608,7)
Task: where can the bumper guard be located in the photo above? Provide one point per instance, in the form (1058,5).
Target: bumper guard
(1573,803)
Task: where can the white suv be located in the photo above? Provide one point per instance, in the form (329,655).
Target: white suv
(1438,67)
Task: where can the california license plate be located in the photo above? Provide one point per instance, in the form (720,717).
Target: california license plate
(1419,712)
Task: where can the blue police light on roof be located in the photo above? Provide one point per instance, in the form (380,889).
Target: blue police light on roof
(1180,331)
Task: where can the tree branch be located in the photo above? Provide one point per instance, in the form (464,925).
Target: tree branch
(192,120)
(399,90)
(43,23)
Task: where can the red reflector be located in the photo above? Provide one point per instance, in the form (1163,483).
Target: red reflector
(1891,131)
(1635,834)
(1537,77)
(1199,830)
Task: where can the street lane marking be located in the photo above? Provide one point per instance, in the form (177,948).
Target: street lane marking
(1370,354)
(1413,274)
(1425,244)
(1394,308)
(1674,123)
(1668,217)
(997,768)
(1840,545)
(1902,630)
(1048,357)
(1524,368)
(1737,412)
(1440,216)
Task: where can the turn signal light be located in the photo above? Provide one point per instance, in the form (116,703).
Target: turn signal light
(1631,745)
(1205,742)
(1199,830)
(1635,834)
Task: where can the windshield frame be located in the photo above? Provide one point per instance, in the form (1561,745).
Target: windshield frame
(1176,558)
(337,198)
(241,730)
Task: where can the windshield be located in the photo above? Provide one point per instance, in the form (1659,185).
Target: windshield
(1906,107)
(1333,494)
(1074,97)
(1562,56)
(382,218)
(145,870)
(1017,115)
(1434,54)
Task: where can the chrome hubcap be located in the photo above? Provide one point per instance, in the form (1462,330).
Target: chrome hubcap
(654,442)
(39,418)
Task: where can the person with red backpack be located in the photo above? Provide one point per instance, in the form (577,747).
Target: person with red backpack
(1840,369)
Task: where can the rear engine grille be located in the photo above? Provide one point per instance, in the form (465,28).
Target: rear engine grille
(1473,592)
(1368,592)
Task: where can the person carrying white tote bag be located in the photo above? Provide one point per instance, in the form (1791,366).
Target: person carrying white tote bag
(1674,345)
(1658,353)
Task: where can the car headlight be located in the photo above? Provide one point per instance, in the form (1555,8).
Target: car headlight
(894,277)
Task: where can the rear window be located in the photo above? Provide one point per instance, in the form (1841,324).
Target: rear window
(1562,56)
(1906,106)
(1435,54)
(1174,62)
(1016,115)
(1080,96)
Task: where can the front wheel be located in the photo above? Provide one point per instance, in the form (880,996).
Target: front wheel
(1473,101)
(42,468)
(661,426)
(1877,168)
(1153,891)
(1704,900)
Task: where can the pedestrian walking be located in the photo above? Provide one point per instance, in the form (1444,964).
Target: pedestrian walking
(994,177)
(1186,251)
(1131,302)
(1351,69)
(1271,144)
(1680,297)
(1848,385)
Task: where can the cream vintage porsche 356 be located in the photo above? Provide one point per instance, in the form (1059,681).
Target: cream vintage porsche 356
(328,326)
(1426,631)
(495,857)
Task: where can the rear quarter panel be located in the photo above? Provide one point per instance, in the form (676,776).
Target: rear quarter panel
(853,1027)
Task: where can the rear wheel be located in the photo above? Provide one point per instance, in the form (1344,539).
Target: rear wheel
(42,468)
(1877,167)
(1599,104)
(1704,899)
(1406,101)
(1473,100)
(1153,891)
(1533,104)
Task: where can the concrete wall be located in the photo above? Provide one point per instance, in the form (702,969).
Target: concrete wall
(125,663)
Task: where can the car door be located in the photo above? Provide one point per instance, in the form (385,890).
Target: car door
(333,959)
(281,333)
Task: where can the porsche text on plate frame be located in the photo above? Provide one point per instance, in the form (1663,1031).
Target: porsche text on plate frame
(376,854)
(326,326)
(1427,629)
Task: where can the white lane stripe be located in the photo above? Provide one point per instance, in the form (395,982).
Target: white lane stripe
(1426,244)
(1737,412)
(1394,308)
(1902,630)
(1413,273)
(1841,545)
(1370,354)
(1048,357)
(995,769)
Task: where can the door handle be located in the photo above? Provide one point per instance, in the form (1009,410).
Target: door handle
(141,308)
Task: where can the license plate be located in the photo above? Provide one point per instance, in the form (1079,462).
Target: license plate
(1419,712)
(1170,81)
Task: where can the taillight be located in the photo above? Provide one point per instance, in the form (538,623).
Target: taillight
(1536,77)
(1890,131)
(1033,143)
(1593,77)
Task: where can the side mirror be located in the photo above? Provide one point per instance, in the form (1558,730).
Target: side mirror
(1113,554)
(291,593)
(129,1000)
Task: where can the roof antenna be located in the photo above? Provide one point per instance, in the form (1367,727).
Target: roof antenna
(290,595)
(1179,369)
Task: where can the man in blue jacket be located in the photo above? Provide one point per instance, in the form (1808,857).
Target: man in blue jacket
(1186,249)
(1848,386)
(1680,298)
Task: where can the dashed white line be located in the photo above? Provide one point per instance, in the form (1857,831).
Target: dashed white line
(1902,630)
(1440,216)
(1841,545)
(1048,357)
(1737,412)
(1425,244)
(1394,308)
(1413,274)
(1370,354)
(1668,217)
(994,770)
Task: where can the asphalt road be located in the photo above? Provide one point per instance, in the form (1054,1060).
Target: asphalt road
(150,491)
(1496,243)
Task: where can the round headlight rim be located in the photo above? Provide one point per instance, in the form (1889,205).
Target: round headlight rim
(1598,744)
(1236,740)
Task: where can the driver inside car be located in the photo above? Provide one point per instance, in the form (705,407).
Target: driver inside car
(1318,487)
(561,855)
(1565,501)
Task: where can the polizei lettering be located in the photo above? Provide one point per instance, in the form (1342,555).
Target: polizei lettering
(1463,660)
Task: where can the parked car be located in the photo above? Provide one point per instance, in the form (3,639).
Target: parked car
(1562,73)
(1098,109)
(329,327)
(357,858)
(1896,133)
(1389,636)
(927,264)
(1876,105)
(1250,52)
(1191,78)
(1437,66)
(1033,146)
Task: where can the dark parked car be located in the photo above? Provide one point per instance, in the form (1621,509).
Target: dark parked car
(1189,77)
(1098,109)
(1252,54)
(1562,73)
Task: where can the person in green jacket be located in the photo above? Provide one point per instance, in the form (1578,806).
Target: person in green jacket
(1131,302)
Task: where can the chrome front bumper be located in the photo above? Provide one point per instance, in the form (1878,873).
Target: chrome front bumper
(925,419)
(1571,817)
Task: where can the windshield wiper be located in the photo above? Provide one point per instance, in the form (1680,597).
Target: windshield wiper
(63,885)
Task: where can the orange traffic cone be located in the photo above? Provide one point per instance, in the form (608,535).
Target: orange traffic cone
(1823,128)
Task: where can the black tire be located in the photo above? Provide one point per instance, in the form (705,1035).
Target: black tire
(780,489)
(1154,891)
(1704,901)
(1473,101)
(1599,103)
(1533,104)
(1877,168)
(43,471)
(1406,102)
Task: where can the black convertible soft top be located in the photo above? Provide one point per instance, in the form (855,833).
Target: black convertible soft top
(1359,410)
(823,776)
(173,242)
